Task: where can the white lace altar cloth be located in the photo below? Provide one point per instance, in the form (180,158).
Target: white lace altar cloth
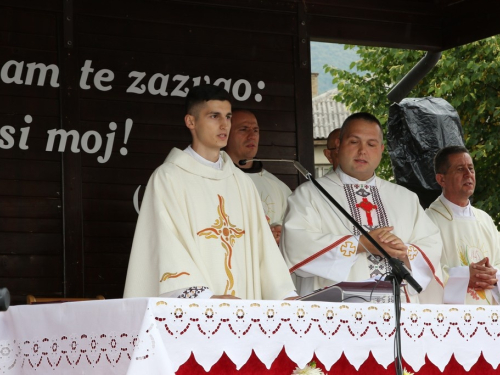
(156,336)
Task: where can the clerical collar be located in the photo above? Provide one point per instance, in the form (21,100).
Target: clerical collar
(349,180)
(458,211)
(255,168)
(217,165)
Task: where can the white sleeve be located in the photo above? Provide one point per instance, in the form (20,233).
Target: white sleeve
(331,265)
(456,286)
(419,269)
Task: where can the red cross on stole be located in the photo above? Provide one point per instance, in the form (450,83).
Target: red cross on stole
(367,206)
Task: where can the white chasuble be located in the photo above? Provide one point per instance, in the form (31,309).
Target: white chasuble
(321,245)
(273,194)
(465,241)
(202,227)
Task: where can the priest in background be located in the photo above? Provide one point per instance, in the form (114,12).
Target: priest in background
(323,247)
(471,242)
(243,144)
(201,231)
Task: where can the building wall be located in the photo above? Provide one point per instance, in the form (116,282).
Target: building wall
(67,213)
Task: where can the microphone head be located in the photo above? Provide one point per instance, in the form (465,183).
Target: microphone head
(242,162)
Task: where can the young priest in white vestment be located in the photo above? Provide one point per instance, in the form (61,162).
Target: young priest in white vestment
(201,231)
(322,247)
(471,242)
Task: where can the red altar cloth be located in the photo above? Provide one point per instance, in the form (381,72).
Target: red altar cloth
(284,366)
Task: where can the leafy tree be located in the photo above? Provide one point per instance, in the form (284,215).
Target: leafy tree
(468,77)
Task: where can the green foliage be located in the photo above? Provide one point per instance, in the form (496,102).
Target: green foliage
(468,77)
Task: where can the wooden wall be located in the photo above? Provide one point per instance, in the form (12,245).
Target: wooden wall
(66,219)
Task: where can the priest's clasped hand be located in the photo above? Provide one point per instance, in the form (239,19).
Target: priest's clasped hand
(482,275)
(391,243)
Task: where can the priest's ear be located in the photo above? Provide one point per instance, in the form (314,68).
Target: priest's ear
(440,179)
(189,120)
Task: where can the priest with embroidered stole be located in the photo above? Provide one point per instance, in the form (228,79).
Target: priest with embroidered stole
(201,231)
(323,248)
(471,242)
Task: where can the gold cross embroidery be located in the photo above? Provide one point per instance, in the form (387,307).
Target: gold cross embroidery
(227,232)
(348,249)
(412,252)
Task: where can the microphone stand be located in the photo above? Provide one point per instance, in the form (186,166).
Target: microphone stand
(398,273)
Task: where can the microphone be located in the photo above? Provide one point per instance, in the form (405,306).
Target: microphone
(4,299)
(296,164)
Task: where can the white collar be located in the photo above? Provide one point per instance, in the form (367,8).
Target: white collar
(458,211)
(349,180)
(217,165)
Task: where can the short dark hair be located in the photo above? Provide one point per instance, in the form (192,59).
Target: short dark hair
(441,160)
(204,93)
(368,117)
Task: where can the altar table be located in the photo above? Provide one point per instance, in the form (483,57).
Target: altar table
(167,336)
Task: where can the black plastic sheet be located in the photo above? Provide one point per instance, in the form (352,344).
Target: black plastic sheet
(417,129)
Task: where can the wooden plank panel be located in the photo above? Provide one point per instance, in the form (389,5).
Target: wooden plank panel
(29,244)
(28,56)
(108,228)
(181,49)
(150,113)
(98,261)
(141,131)
(382,34)
(161,148)
(131,160)
(36,151)
(46,5)
(30,225)
(40,286)
(23,106)
(113,191)
(30,265)
(19,188)
(122,82)
(109,291)
(480,24)
(221,66)
(29,41)
(193,14)
(275,138)
(393,12)
(33,90)
(30,207)
(106,275)
(118,245)
(38,126)
(14,169)
(181,33)
(118,96)
(109,210)
(28,20)
(116,176)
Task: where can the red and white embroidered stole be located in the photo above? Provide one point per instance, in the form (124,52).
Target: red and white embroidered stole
(368,210)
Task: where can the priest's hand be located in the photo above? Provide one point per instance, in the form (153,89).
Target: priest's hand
(482,275)
(224,296)
(276,230)
(391,243)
